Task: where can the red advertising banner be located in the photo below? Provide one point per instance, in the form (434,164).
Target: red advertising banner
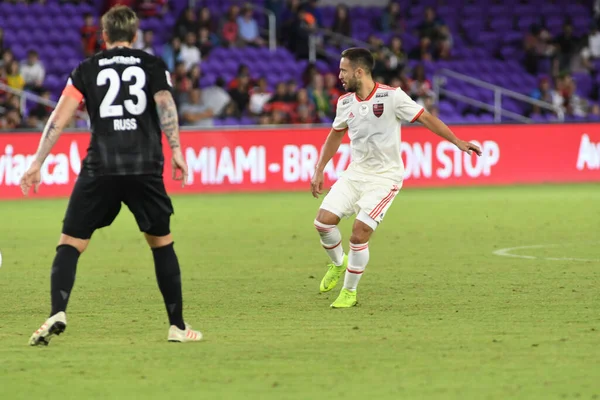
(281,160)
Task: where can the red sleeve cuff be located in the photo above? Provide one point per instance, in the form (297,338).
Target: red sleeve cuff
(417,116)
(71,91)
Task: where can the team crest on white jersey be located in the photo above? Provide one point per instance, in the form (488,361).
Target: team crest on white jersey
(363,110)
(378,109)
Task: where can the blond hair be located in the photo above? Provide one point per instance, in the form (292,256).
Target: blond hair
(120,24)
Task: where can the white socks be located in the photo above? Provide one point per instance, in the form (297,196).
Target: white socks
(357,262)
(331,239)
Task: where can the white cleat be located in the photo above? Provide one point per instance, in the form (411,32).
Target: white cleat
(182,336)
(55,325)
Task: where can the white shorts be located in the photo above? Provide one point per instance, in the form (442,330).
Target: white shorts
(368,200)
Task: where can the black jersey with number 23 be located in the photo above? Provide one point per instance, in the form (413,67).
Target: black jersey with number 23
(118,86)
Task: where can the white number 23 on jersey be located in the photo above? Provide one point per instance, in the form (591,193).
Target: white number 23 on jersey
(135,107)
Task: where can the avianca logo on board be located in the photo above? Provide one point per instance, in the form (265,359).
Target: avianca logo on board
(55,170)
(589,154)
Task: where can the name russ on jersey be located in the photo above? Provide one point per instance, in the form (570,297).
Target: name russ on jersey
(125,124)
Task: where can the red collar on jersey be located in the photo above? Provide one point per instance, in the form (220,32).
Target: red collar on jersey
(370,95)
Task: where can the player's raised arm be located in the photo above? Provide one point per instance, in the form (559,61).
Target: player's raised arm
(437,126)
(407,109)
(59,119)
(169,123)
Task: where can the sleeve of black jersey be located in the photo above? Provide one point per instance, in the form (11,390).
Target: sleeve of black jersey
(160,77)
(76,79)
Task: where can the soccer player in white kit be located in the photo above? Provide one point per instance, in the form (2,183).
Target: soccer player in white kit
(371,114)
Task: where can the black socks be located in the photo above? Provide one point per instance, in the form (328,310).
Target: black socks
(168,276)
(62,277)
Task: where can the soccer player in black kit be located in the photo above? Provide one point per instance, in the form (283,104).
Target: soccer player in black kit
(127,93)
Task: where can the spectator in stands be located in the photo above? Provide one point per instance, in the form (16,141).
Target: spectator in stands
(312,8)
(424,51)
(444,43)
(33,71)
(332,89)
(280,102)
(537,46)
(566,47)
(248,28)
(7,58)
(572,104)
(2,46)
(206,21)
(320,97)
(420,87)
(152,8)
(12,120)
(172,53)
(181,81)
(281,94)
(259,96)
(303,26)
(195,112)
(3,80)
(304,109)
(543,93)
(186,23)
(430,27)
(138,42)
(195,75)
(13,102)
(591,51)
(13,76)
(148,42)
(205,42)
(230,29)
(40,111)
(277,7)
(240,96)
(279,117)
(341,21)
(90,35)
(190,53)
(398,57)
(395,82)
(391,20)
(289,16)
(375,42)
(291,91)
(243,71)
(219,98)
(309,72)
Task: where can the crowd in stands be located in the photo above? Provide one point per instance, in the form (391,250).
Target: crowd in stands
(556,58)
(313,100)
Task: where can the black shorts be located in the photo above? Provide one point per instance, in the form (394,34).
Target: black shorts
(96,202)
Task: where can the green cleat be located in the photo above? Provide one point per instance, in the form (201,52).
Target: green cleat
(346,299)
(332,276)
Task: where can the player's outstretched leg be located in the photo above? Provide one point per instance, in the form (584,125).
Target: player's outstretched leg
(62,279)
(168,275)
(331,240)
(357,262)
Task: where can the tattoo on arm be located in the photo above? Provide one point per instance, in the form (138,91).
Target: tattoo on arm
(50,135)
(167,113)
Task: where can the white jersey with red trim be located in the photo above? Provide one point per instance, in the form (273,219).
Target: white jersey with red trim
(373,126)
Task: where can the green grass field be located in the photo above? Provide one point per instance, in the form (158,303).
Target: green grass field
(439,317)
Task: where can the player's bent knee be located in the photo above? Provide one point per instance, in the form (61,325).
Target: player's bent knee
(327,217)
(158,241)
(361,232)
(79,244)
